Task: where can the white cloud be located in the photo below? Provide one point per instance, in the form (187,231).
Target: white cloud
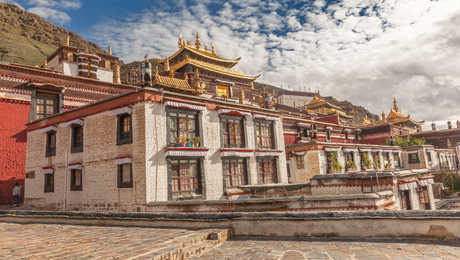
(54,10)
(365,51)
(51,14)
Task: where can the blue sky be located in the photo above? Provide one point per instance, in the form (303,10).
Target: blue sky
(365,51)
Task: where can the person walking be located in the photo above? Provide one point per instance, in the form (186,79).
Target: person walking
(16,194)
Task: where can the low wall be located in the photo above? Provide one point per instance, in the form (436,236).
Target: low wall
(423,225)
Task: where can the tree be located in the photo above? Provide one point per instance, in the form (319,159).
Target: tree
(406,141)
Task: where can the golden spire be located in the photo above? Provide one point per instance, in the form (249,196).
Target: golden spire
(395,105)
(67,40)
(189,43)
(383,117)
(180,41)
(213,49)
(205,47)
(251,84)
(110,50)
(197,41)
(45,63)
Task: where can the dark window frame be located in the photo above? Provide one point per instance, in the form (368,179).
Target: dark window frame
(424,198)
(73,180)
(124,137)
(413,160)
(300,162)
(177,132)
(225,122)
(77,145)
(120,183)
(49,182)
(197,193)
(50,150)
(230,176)
(259,125)
(274,176)
(328,135)
(42,100)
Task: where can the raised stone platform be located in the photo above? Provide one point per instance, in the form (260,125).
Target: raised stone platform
(426,225)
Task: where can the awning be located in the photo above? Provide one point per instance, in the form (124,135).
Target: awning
(48,129)
(47,170)
(298,153)
(365,150)
(303,124)
(187,152)
(425,181)
(265,117)
(185,105)
(268,152)
(75,166)
(350,149)
(407,185)
(121,110)
(123,160)
(78,121)
(231,111)
(332,149)
(236,153)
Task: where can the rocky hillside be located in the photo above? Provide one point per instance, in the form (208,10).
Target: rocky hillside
(27,38)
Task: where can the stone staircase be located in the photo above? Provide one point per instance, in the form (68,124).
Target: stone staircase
(185,247)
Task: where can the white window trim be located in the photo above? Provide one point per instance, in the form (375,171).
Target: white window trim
(124,160)
(76,166)
(121,110)
(77,121)
(268,118)
(225,111)
(48,129)
(47,170)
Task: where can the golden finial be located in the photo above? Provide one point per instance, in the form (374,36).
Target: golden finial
(241,97)
(197,40)
(197,73)
(383,117)
(110,50)
(205,47)
(251,84)
(156,72)
(67,40)
(189,43)
(180,42)
(167,68)
(45,63)
(213,49)
(395,105)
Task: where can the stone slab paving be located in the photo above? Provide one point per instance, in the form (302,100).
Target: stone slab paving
(52,241)
(247,249)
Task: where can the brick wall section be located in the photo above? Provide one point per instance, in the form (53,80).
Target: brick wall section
(13,137)
(98,158)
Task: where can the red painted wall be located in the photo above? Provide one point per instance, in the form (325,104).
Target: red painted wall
(13,139)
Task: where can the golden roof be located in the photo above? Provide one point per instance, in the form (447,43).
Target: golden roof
(170,82)
(204,53)
(317,101)
(212,67)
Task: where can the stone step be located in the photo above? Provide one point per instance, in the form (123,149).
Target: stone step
(185,247)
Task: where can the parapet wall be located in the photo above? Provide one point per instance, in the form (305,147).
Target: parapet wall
(423,225)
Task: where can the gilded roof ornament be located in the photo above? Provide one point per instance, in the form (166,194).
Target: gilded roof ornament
(395,105)
(167,68)
(189,43)
(180,42)
(241,97)
(155,76)
(67,40)
(197,40)
(213,49)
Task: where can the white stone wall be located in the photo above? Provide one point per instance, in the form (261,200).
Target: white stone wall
(70,69)
(104,75)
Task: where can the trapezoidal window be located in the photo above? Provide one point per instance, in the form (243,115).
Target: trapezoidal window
(185,178)
(182,127)
(235,172)
(232,131)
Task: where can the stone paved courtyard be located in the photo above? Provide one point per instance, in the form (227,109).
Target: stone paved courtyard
(49,241)
(52,241)
(298,250)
